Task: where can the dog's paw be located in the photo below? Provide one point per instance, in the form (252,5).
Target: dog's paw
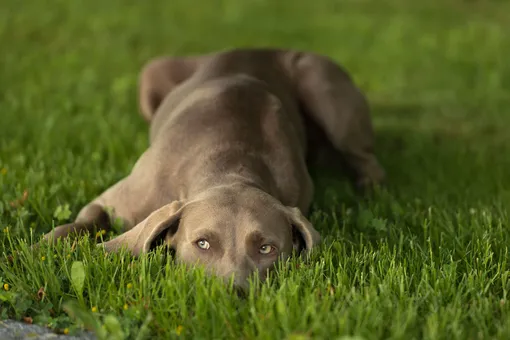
(370,180)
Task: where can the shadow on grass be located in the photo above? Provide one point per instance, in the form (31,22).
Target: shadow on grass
(430,162)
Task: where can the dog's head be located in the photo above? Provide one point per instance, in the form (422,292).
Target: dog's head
(230,232)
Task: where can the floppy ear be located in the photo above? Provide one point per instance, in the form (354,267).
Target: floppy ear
(158,78)
(141,238)
(303,233)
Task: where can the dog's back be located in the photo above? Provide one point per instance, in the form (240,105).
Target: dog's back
(226,119)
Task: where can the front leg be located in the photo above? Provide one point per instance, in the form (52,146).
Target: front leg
(340,110)
(131,200)
(91,218)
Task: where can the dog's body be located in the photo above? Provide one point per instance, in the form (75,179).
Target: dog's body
(230,136)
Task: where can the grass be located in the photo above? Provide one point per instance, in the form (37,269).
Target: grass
(426,258)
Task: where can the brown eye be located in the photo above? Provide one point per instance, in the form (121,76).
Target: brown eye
(266,249)
(203,244)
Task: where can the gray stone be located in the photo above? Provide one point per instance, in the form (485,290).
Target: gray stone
(15,330)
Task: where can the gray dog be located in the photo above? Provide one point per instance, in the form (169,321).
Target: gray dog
(225,180)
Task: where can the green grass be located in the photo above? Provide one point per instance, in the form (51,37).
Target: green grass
(425,258)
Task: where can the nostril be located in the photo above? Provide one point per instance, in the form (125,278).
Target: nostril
(241,291)
(241,286)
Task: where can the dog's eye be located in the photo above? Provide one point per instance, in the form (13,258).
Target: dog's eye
(203,244)
(266,249)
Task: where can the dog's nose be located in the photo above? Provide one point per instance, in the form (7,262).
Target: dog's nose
(241,285)
(237,277)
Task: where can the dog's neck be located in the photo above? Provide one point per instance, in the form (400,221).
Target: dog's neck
(252,174)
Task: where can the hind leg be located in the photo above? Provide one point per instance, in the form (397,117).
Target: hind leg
(159,77)
(340,110)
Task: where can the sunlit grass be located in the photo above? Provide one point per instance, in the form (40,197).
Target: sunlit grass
(427,257)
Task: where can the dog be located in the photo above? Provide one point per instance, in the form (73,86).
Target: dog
(225,181)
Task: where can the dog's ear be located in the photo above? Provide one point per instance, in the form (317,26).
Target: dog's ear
(304,235)
(161,224)
(158,78)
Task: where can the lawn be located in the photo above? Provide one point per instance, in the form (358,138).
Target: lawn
(425,258)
